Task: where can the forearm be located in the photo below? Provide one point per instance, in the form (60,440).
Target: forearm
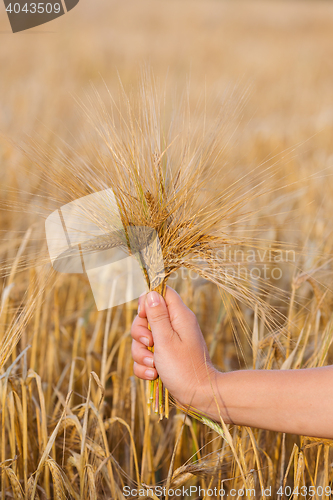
(292,401)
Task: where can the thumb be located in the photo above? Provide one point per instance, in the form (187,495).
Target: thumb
(159,320)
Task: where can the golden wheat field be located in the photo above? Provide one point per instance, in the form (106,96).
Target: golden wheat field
(232,102)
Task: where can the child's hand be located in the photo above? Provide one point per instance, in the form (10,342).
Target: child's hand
(180,354)
(293,401)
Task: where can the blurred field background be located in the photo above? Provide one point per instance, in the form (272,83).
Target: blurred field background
(280,55)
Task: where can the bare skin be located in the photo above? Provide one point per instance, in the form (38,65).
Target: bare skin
(292,401)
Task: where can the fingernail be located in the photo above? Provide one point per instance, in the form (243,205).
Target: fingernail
(139,307)
(150,374)
(153,299)
(148,362)
(145,341)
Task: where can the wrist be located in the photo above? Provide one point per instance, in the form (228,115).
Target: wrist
(209,400)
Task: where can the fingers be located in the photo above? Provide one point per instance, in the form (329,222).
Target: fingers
(159,320)
(141,333)
(141,306)
(143,358)
(144,372)
(172,300)
(142,355)
(171,314)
